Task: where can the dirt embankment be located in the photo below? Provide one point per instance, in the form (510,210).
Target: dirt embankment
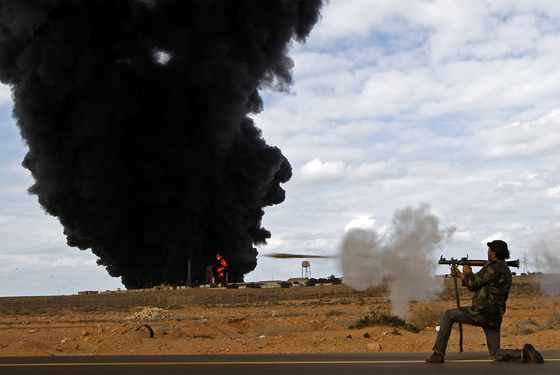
(262,323)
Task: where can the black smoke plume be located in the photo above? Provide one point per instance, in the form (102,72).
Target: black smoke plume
(136,118)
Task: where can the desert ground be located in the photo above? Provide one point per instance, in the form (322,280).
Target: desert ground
(318,319)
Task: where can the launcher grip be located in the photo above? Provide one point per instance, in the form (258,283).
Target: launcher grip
(474,262)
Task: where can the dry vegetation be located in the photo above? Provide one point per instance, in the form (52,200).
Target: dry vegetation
(293,320)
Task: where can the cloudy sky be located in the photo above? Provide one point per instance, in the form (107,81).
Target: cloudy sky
(394,104)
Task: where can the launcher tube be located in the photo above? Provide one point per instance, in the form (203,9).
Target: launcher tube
(465,261)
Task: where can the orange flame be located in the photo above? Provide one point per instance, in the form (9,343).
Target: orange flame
(221,269)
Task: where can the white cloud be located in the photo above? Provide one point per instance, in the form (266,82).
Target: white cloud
(449,70)
(362,222)
(466,236)
(389,93)
(495,236)
(378,169)
(318,170)
(554,192)
(516,226)
(507,187)
(516,140)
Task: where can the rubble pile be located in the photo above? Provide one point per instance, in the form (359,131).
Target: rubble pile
(151,313)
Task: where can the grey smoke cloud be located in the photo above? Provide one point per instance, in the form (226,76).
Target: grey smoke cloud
(406,254)
(547,252)
(547,259)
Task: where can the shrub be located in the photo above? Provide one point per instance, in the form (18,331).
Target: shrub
(428,316)
(553,322)
(525,328)
(381,319)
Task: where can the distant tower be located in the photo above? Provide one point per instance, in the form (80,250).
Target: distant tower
(525,269)
(305,269)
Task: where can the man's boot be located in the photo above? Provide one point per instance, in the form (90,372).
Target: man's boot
(435,358)
(530,354)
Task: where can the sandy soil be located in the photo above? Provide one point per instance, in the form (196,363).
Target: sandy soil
(311,326)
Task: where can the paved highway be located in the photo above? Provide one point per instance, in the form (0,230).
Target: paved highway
(476,362)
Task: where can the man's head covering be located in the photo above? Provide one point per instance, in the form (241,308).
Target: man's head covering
(500,248)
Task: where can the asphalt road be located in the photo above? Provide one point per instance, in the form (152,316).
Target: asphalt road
(476,362)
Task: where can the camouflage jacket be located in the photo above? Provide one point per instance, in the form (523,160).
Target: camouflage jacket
(491,289)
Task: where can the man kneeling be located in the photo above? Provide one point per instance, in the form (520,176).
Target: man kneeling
(491,289)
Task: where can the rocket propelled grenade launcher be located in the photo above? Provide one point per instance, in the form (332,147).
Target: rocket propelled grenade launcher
(474,262)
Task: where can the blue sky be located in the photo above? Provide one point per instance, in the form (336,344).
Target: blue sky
(394,104)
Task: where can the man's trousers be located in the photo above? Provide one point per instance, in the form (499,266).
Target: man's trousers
(492,337)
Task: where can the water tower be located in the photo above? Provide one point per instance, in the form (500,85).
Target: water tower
(305,269)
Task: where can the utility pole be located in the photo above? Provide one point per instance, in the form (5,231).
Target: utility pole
(525,269)
(189,277)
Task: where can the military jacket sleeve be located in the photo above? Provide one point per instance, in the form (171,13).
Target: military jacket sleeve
(491,287)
